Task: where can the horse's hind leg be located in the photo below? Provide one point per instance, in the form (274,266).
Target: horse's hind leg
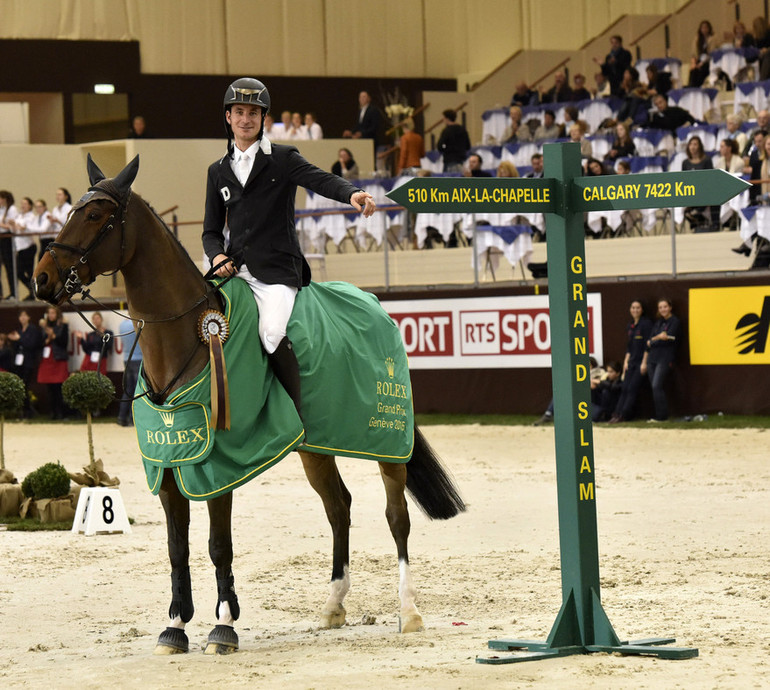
(397,513)
(173,639)
(322,473)
(223,639)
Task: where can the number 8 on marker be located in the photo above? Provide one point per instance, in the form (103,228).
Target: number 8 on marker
(108,515)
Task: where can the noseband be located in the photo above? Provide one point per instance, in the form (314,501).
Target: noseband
(71,282)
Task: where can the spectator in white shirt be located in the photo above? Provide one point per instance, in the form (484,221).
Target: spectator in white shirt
(8,214)
(297,131)
(312,128)
(57,216)
(23,244)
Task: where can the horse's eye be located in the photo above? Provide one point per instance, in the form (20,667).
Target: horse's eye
(93,215)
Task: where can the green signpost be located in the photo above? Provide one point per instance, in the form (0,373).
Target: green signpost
(581,625)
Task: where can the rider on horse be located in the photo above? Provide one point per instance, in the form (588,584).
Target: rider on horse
(251,191)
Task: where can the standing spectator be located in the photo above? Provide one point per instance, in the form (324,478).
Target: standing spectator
(6,353)
(369,121)
(618,60)
(312,128)
(560,92)
(28,342)
(524,96)
(549,129)
(57,216)
(297,131)
(698,160)
(281,129)
(53,370)
(92,344)
(24,244)
(132,359)
(635,361)
(453,143)
(700,61)
(474,163)
(270,130)
(345,166)
(411,148)
(138,128)
(537,166)
(661,347)
(8,214)
(579,91)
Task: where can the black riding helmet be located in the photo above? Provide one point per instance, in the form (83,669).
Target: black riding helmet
(247,91)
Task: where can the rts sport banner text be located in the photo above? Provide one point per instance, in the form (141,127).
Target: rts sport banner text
(484,332)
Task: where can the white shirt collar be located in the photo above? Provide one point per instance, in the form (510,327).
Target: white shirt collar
(262,144)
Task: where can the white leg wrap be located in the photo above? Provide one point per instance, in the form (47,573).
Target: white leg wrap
(225,617)
(176,622)
(410,619)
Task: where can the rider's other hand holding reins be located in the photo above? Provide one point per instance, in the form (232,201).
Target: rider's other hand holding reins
(366,199)
(226,269)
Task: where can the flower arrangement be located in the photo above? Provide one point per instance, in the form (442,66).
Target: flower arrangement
(397,107)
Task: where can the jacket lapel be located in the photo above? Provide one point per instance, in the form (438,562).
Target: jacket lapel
(260,161)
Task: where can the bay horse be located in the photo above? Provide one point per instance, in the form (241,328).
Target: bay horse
(112,229)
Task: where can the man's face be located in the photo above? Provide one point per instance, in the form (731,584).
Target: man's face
(246,121)
(763,118)
(363,99)
(661,103)
(474,163)
(558,79)
(537,164)
(614,43)
(548,119)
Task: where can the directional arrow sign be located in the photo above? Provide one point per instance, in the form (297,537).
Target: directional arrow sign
(476,195)
(655,190)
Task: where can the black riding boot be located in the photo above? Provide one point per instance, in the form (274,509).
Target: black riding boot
(286,369)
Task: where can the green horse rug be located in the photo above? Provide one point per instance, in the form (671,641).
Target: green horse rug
(356,395)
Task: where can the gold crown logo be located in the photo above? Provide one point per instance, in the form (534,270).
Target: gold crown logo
(168,419)
(391,365)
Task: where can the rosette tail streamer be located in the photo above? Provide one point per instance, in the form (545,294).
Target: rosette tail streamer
(220,390)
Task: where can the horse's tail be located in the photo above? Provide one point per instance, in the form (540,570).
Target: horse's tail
(429,482)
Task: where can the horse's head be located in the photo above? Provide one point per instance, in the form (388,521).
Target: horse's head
(92,241)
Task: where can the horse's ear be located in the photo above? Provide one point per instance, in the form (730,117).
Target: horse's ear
(125,178)
(94,174)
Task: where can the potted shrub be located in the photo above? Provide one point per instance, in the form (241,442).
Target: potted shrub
(87,392)
(12,394)
(46,492)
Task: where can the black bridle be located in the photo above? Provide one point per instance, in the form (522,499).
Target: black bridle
(72,284)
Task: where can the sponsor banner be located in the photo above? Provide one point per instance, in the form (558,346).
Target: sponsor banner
(484,332)
(729,325)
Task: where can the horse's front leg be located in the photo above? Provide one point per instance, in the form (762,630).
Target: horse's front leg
(223,639)
(324,477)
(173,640)
(397,513)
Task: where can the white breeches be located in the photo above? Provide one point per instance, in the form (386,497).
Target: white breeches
(275,303)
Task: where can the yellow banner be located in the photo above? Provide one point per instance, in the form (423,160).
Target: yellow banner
(730,325)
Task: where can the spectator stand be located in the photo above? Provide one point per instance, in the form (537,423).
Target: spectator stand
(652,142)
(751,96)
(514,242)
(707,133)
(731,61)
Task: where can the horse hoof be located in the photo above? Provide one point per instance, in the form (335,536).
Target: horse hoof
(172,641)
(222,640)
(333,619)
(411,623)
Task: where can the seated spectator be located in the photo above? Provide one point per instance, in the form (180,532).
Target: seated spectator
(411,148)
(579,91)
(473,167)
(453,143)
(636,99)
(537,166)
(345,166)
(516,131)
(595,376)
(728,158)
(700,62)
(754,162)
(698,160)
(618,60)
(572,117)
(549,129)
(602,88)
(312,128)
(733,123)
(606,393)
(763,124)
(576,135)
(560,92)
(622,147)
(296,131)
(658,82)
(670,117)
(740,38)
(507,169)
(762,42)
(623,167)
(524,96)
(593,167)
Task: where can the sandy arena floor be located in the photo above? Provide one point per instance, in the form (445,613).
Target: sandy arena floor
(684,531)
